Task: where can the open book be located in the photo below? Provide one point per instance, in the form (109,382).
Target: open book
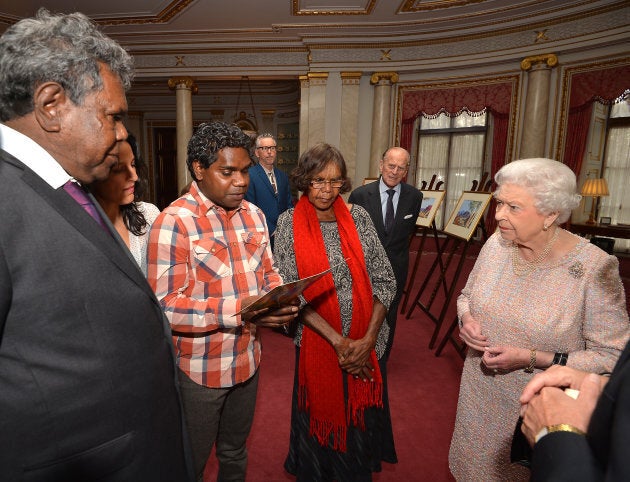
(283,294)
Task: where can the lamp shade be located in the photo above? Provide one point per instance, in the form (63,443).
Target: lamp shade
(595,188)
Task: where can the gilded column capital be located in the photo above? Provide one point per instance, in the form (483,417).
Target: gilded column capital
(317,75)
(317,78)
(268,112)
(550,59)
(188,82)
(350,77)
(391,77)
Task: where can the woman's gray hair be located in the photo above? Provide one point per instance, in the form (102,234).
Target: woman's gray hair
(66,49)
(551,184)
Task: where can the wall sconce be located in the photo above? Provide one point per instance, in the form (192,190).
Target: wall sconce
(594,188)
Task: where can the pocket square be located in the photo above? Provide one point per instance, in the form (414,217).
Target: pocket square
(408,216)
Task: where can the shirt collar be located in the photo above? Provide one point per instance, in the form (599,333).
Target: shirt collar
(204,204)
(384,187)
(33,155)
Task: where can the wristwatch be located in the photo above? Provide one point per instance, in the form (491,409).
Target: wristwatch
(561,427)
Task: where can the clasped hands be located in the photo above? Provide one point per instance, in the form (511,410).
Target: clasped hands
(544,403)
(502,358)
(354,356)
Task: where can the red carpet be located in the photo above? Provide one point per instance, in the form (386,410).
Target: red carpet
(423,392)
(423,397)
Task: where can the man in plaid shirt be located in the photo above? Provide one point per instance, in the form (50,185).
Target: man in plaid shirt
(208,257)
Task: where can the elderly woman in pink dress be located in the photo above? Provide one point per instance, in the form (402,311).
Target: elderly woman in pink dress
(537,296)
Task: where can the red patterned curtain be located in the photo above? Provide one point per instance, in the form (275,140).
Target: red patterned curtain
(495,98)
(604,85)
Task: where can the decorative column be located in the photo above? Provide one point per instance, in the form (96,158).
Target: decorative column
(534,131)
(316,107)
(304,96)
(184,88)
(381,114)
(350,119)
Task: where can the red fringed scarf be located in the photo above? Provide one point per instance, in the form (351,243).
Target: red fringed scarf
(320,382)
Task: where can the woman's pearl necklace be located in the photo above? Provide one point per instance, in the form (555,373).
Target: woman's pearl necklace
(522,266)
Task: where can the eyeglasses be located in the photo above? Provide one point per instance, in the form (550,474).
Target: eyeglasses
(267,148)
(320,183)
(394,168)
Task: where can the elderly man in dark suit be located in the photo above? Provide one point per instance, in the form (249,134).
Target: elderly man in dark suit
(87,375)
(586,438)
(268,186)
(394,207)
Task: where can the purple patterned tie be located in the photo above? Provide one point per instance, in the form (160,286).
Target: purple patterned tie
(80,196)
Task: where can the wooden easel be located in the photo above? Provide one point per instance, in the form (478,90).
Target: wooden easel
(460,348)
(482,186)
(424,231)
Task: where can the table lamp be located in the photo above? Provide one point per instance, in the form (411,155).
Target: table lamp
(594,188)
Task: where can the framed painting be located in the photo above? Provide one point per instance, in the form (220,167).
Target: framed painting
(431,201)
(467,214)
(368,180)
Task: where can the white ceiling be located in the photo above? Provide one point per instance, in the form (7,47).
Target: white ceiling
(201,22)
(222,40)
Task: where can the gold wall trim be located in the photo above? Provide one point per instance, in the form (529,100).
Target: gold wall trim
(495,32)
(351,75)
(410,6)
(223,50)
(167,13)
(364,11)
(550,59)
(171,10)
(316,75)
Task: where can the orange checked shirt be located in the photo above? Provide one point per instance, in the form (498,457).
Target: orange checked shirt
(202,262)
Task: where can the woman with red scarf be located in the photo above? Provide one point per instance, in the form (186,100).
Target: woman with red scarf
(340,423)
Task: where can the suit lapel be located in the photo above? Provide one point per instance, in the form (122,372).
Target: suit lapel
(108,244)
(265,178)
(403,203)
(374,200)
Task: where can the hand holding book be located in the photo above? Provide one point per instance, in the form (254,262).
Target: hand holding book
(282,295)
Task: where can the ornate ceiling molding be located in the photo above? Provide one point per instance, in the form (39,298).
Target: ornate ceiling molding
(165,15)
(368,6)
(409,6)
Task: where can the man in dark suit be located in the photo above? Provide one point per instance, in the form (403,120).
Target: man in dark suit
(403,203)
(87,375)
(268,186)
(587,438)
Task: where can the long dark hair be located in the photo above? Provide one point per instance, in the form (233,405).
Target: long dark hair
(133,217)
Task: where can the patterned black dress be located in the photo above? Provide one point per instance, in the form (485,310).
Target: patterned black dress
(307,459)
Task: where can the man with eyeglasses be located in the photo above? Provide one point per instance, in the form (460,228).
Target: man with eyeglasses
(394,207)
(268,185)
